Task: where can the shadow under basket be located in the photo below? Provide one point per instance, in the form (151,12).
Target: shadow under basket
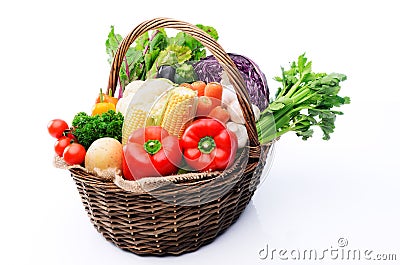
(189,210)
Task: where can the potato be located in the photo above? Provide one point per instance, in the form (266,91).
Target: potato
(104,153)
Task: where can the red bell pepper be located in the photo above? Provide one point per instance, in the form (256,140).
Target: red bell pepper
(208,145)
(151,152)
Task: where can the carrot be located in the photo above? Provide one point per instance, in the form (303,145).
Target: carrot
(214,90)
(199,86)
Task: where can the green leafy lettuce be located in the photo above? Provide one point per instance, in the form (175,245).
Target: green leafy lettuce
(154,49)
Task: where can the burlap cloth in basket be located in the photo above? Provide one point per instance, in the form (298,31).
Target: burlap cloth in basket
(152,183)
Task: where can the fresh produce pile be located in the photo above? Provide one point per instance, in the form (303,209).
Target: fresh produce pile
(176,111)
(157,55)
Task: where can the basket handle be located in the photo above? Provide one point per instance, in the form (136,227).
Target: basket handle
(223,58)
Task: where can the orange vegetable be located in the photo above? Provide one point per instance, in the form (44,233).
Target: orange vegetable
(214,90)
(199,86)
(102,107)
(106,98)
(204,106)
(186,85)
(104,103)
(220,114)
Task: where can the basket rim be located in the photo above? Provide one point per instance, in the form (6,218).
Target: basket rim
(188,179)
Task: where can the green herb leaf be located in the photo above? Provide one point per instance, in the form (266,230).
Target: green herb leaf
(142,42)
(112,43)
(209,30)
(159,41)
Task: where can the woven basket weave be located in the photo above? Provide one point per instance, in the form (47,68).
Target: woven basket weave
(189,210)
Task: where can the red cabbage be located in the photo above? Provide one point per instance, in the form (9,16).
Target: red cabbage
(209,70)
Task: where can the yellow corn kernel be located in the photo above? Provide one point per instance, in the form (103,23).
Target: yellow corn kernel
(180,109)
(157,110)
(135,119)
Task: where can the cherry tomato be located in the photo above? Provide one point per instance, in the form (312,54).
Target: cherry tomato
(71,136)
(56,127)
(74,154)
(61,144)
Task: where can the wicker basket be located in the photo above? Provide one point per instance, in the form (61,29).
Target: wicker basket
(189,211)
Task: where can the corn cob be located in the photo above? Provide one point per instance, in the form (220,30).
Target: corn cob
(180,109)
(157,110)
(139,112)
(135,119)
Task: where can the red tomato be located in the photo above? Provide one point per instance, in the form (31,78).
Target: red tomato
(71,136)
(61,144)
(74,154)
(57,127)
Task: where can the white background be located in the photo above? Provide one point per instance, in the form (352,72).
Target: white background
(53,61)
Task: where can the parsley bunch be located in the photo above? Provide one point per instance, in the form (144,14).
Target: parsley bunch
(305,100)
(87,128)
